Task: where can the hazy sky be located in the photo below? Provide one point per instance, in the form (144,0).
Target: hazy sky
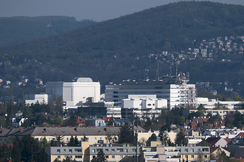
(97,10)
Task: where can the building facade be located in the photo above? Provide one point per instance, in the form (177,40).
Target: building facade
(75,93)
(175,90)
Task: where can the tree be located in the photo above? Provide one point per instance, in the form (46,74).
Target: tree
(59,104)
(164,137)
(109,137)
(5,152)
(16,152)
(100,157)
(180,138)
(126,135)
(152,138)
(44,143)
(148,124)
(30,149)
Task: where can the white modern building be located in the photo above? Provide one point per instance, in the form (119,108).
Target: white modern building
(143,105)
(174,89)
(34,98)
(75,93)
(213,103)
(112,110)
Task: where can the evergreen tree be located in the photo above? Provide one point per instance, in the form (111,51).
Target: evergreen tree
(94,159)
(180,138)
(126,135)
(101,156)
(5,152)
(152,138)
(30,149)
(44,143)
(148,124)
(16,152)
(76,141)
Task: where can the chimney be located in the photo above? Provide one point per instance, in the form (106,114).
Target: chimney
(21,129)
(2,130)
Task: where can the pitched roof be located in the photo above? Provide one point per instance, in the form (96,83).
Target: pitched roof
(227,139)
(212,140)
(212,149)
(241,134)
(75,131)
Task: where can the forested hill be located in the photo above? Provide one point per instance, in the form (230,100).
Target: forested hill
(19,29)
(118,49)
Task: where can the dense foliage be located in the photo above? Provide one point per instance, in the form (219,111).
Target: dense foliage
(19,29)
(118,49)
(26,149)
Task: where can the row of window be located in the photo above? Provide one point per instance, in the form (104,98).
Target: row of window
(195,156)
(77,157)
(70,150)
(197,150)
(113,150)
(113,156)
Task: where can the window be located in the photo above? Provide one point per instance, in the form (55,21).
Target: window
(113,156)
(119,150)
(186,150)
(78,150)
(64,150)
(121,156)
(78,156)
(192,150)
(106,150)
(204,149)
(192,156)
(58,150)
(94,156)
(115,138)
(113,150)
(106,156)
(126,150)
(186,156)
(95,138)
(70,156)
(93,150)
(67,138)
(133,150)
(70,150)
(205,156)
(101,138)
(59,157)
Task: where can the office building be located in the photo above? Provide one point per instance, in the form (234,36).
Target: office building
(75,93)
(174,89)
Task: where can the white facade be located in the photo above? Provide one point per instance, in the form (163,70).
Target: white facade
(144,102)
(143,105)
(177,94)
(34,98)
(75,93)
(113,111)
(213,103)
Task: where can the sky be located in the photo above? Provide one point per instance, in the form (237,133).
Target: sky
(97,10)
